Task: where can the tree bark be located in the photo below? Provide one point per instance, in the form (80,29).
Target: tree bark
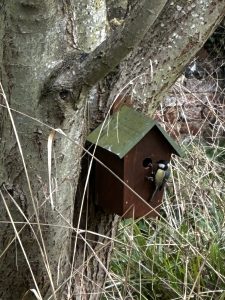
(36,35)
(36,39)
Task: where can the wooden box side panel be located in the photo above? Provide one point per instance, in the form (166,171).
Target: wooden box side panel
(108,189)
(154,146)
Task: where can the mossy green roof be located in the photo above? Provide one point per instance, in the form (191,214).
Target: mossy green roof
(124,129)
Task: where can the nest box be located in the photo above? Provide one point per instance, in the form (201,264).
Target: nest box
(124,143)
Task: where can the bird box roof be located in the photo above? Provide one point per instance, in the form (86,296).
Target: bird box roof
(124,129)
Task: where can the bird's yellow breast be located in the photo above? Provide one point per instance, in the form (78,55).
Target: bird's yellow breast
(159,176)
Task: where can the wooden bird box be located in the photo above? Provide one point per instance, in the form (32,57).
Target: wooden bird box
(124,142)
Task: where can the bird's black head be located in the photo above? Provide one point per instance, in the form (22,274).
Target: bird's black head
(163,164)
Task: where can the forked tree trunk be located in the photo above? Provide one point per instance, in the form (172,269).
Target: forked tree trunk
(36,37)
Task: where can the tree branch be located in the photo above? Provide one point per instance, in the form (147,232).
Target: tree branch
(116,47)
(169,45)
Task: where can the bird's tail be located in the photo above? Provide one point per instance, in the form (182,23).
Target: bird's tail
(153,195)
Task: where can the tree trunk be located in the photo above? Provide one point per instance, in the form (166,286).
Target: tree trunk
(53,110)
(36,35)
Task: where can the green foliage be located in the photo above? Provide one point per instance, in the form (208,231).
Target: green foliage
(216,152)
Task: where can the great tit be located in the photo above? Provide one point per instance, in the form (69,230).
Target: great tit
(162,174)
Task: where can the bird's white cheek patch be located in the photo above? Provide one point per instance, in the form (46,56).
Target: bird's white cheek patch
(162,166)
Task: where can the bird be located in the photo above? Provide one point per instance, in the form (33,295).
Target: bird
(161,175)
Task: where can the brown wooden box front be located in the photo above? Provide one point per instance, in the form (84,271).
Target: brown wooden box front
(113,196)
(154,146)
